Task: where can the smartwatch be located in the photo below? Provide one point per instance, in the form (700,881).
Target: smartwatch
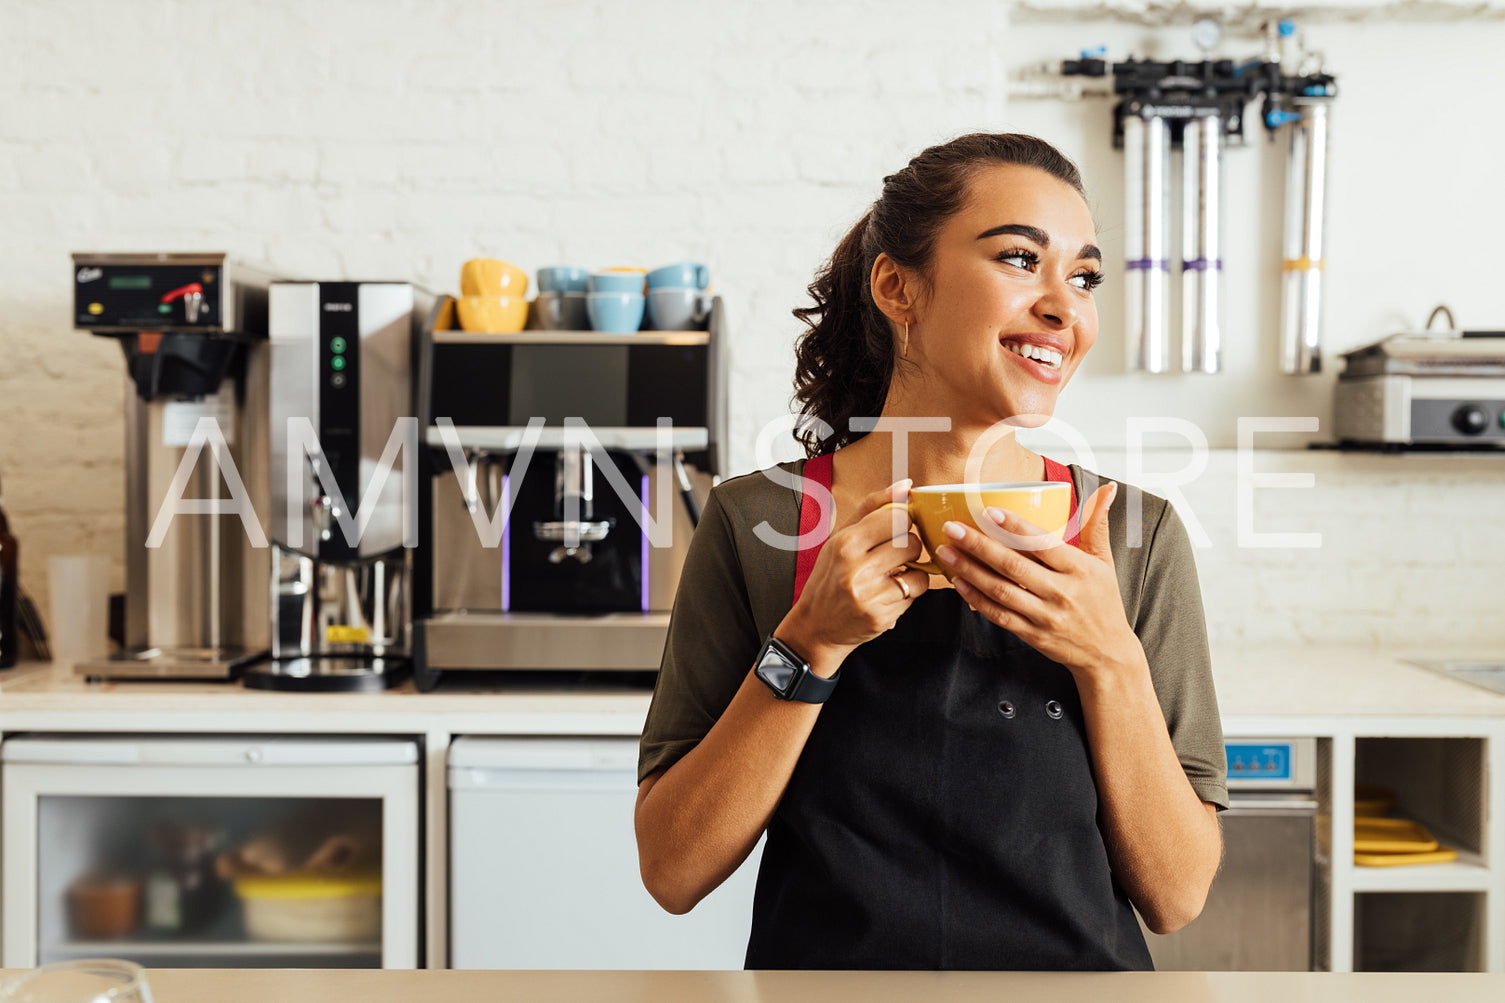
(788,675)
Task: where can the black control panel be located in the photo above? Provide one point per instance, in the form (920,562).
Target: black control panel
(339,398)
(147,296)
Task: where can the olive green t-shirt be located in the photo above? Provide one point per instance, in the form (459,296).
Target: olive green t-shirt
(738,583)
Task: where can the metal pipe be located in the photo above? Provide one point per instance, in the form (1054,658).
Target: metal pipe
(1201,244)
(1306,203)
(1147,149)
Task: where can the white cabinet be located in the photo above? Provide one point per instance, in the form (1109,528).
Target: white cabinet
(113,847)
(544,866)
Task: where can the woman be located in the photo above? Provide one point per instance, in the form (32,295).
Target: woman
(1001,768)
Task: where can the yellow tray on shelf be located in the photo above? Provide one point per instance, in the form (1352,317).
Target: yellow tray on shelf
(1438,856)
(1391,835)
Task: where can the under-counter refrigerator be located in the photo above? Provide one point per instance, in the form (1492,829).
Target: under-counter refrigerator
(544,865)
(181,852)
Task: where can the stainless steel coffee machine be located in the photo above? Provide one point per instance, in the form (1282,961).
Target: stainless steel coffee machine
(344,459)
(568,472)
(193,330)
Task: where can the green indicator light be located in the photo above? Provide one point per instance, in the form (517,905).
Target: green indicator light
(164,308)
(337,363)
(337,345)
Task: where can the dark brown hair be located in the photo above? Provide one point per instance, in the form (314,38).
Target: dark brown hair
(845,360)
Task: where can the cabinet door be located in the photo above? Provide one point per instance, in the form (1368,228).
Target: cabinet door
(544,866)
(97,861)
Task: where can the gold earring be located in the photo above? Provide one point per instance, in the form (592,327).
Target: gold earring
(906,339)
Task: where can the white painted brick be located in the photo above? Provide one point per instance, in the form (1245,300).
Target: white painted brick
(283,163)
(468,213)
(134,166)
(359,208)
(357,162)
(756,161)
(53,167)
(30,217)
(308,254)
(452,166)
(398,139)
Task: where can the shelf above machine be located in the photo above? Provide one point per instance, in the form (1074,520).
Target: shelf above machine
(512,437)
(573,338)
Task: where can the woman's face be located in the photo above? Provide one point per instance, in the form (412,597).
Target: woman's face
(1013,271)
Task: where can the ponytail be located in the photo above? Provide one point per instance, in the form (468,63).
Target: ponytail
(844,360)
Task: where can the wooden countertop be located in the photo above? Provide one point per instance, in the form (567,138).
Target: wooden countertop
(306,986)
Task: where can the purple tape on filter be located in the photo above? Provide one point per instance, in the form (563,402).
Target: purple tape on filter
(506,543)
(1202,265)
(1148,265)
(644,527)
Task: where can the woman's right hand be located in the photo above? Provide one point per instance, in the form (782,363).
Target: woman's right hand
(853,592)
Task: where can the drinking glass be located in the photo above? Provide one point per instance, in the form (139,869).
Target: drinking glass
(93,980)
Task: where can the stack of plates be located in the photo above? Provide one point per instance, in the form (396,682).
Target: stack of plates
(1390,842)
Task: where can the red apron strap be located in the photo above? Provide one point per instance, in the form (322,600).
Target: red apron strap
(817,469)
(1060,472)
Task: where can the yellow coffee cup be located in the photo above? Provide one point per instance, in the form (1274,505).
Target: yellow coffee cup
(490,277)
(1046,504)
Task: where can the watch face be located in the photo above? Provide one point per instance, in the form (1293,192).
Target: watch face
(777,670)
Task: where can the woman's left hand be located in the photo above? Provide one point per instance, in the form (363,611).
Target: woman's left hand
(1060,600)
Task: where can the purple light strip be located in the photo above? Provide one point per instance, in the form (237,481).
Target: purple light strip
(643,529)
(1148,265)
(1202,265)
(506,543)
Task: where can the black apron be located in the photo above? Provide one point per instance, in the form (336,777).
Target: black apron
(943,815)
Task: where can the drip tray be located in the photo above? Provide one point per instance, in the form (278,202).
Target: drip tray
(1485,675)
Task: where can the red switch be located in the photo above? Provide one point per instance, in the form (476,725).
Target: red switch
(193,288)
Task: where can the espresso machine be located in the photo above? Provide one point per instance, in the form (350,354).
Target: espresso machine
(193,330)
(568,471)
(344,509)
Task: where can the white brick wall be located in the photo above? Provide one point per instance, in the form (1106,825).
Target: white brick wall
(397,138)
(1411,547)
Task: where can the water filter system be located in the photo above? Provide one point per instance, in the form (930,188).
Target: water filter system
(1199,108)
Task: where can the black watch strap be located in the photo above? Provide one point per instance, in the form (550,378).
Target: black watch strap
(787,673)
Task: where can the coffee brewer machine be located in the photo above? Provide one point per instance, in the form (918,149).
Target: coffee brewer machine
(344,458)
(193,330)
(561,510)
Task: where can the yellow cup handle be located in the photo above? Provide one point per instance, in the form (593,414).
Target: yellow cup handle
(929,567)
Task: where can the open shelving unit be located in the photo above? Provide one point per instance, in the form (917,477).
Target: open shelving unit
(1420,917)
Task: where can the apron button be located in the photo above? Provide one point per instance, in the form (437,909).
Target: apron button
(1006,708)
(1053,708)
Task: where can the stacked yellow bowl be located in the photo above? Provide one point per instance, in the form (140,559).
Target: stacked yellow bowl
(493,297)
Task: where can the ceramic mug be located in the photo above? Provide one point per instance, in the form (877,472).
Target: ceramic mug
(490,277)
(562,312)
(619,313)
(562,279)
(615,280)
(1047,504)
(684,275)
(677,309)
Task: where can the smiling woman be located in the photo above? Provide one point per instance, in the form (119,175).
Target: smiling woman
(990,768)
